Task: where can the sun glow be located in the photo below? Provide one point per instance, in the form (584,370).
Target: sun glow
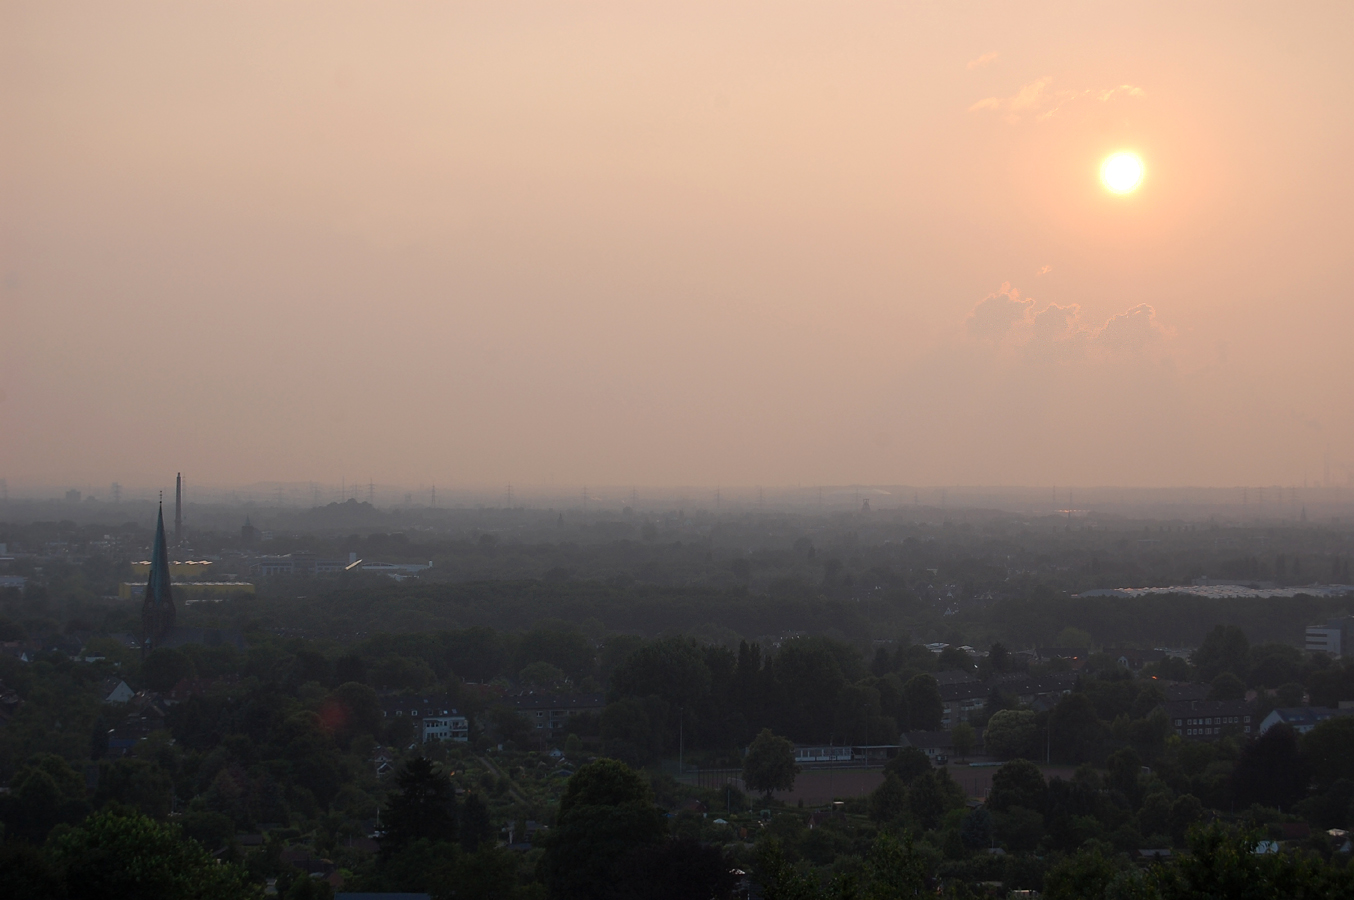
(1122,172)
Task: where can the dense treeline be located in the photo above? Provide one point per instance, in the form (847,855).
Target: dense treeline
(277,758)
(285,734)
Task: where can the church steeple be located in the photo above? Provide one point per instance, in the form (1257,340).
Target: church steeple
(157,610)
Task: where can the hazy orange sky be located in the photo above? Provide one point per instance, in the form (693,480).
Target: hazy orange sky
(725,243)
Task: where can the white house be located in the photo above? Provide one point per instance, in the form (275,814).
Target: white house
(447,726)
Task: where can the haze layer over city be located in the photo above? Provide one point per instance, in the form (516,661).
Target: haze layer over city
(563,451)
(729,245)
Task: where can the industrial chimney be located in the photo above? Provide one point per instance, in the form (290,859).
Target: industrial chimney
(178,509)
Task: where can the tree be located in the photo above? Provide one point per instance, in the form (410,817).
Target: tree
(559,644)
(28,871)
(1010,733)
(1086,874)
(137,783)
(627,723)
(1225,864)
(475,826)
(770,764)
(1274,664)
(894,870)
(808,678)
(1271,770)
(1075,730)
(999,657)
(1017,783)
(1124,766)
(1289,694)
(673,669)
(1331,685)
(1227,686)
(165,667)
(1329,748)
(541,674)
(352,709)
(921,694)
(962,739)
(888,801)
(926,802)
(681,869)
(45,791)
(606,814)
(857,715)
(952,658)
(402,672)
(908,764)
(779,879)
(350,667)
(111,855)
(1186,811)
(976,829)
(1225,649)
(304,888)
(1073,638)
(424,807)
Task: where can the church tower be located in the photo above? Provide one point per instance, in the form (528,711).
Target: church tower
(157,610)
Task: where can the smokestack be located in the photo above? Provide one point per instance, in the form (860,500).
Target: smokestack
(178,509)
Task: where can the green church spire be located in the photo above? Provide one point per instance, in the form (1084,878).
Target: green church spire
(157,610)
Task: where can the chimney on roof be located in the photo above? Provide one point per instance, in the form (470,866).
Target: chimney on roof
(178,509)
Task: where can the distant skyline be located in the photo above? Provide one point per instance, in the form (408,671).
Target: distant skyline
(1316,503)
(552,245)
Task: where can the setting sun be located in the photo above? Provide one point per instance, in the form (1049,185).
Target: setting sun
(1122,172)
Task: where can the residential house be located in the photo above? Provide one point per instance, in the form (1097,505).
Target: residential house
(1039,693)
(549,714)
(1075,655)
(17,650)
(1134,660)
(446,726)
(305,859)
(958,700)
(1207,720)
(383,761)
(960,697)
(146,715)
(1301,719)
(435,719)
(113,690)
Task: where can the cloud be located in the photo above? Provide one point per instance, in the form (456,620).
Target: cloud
(996,313)
(1043,270)
(1007,318)
(1030,96)
(1135,329)
(1037,99)
(1056,323)
(983,60)
(1127,89)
